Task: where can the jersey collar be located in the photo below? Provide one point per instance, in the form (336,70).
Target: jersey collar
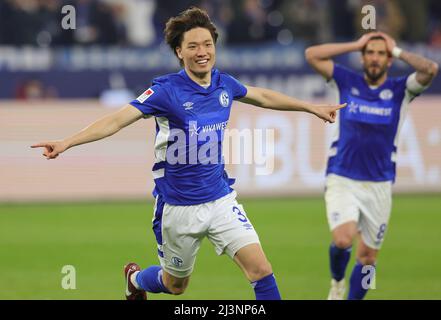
(213,85)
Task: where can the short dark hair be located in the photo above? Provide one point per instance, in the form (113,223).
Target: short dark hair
(363,50)
(189,19)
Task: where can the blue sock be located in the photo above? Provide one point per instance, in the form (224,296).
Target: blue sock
(150,280)
(358,286)
(339,259)
(266,288)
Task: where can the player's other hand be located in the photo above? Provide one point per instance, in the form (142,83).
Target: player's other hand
(390,42)
(51,148)
(327,112)
(365,38)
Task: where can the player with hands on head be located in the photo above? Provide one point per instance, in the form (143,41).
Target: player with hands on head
(361,160)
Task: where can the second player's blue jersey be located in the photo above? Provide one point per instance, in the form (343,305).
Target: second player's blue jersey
(190,123)
(365,139)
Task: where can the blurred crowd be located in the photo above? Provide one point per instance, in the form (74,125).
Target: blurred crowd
(141,22)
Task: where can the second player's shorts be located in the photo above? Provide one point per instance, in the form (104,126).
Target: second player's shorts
(365,202)
(179,231)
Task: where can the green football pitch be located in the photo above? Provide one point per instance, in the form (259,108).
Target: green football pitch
(37,240)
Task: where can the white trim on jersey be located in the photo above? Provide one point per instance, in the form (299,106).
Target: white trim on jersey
(414,86)
(408,96)
(158,173)
(161,143)
(161,140)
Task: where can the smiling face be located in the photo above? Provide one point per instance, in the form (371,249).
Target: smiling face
(375,60)
(197,52)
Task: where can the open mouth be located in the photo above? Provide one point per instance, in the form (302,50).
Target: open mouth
(202,63)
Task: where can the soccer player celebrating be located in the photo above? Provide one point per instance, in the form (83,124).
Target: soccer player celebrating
(193,193)
(361,162)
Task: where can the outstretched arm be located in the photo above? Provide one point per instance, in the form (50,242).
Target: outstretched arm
(426,69)
(100,129)
(270,99)
(320,56)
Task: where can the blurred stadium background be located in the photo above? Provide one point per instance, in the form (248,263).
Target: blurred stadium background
(91,208)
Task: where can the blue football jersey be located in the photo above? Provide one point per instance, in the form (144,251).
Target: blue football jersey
(190,122)
(365,140)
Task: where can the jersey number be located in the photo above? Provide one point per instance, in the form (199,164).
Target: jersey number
(380,234)
(242,217)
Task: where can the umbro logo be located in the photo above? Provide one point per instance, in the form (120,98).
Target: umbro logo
(188,105)
(355,91)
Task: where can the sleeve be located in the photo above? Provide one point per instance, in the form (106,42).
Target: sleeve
(238,89)
(153,101)
(341,75)
(413,86)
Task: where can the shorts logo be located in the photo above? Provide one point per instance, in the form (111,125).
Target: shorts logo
(143,97)
(386,94)
(248,226)
(335,216)
(177,261)
(224,99)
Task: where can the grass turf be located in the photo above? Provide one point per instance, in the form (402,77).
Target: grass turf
(37,240)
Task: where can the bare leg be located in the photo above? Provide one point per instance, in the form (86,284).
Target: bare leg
(175,285)
(254,264)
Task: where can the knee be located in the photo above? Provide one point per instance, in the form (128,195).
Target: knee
(260,271)
(343,242)
(344,235)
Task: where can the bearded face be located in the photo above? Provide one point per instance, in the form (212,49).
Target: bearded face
(375,60)
(374,71)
